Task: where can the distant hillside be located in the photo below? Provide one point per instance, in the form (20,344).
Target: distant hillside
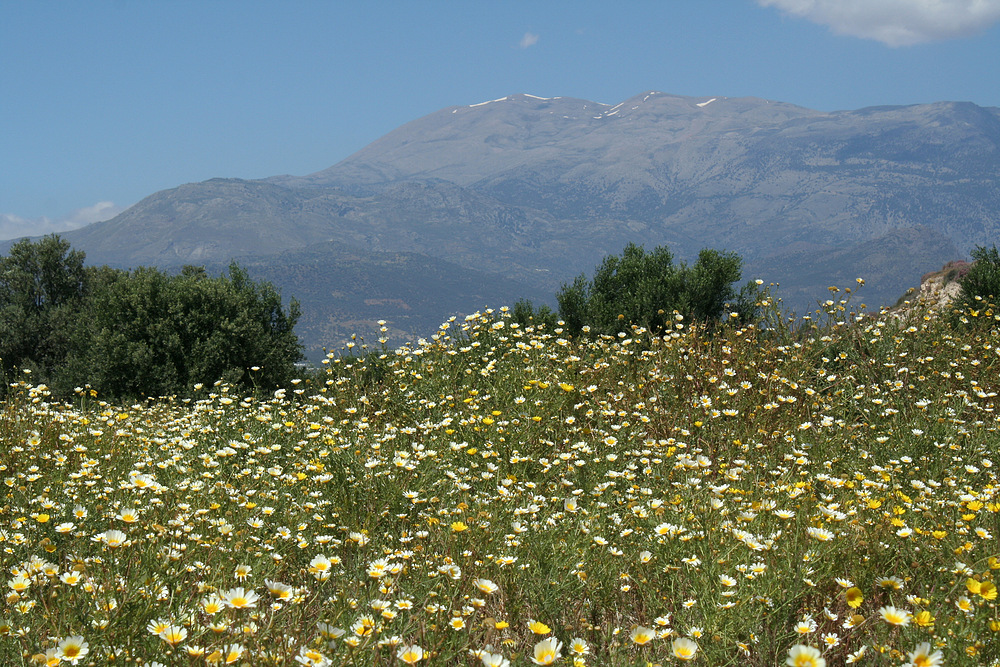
(345,291)
(539,190)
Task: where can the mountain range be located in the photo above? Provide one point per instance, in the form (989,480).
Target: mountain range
(479,205)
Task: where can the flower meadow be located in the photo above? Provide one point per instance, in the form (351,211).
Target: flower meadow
(816,492)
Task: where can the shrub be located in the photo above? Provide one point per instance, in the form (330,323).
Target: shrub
(981,283)
(646,289)
(141,332)
(527,314)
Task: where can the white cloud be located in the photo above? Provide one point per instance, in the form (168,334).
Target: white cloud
(15,227)
(896,22)
(99,212)
(529,39)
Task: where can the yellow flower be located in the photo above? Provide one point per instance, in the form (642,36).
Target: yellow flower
(538,627)
(364,626)
(854,597)
(924,619)
(458,527)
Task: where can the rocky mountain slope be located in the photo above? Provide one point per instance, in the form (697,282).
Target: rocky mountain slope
(535,191)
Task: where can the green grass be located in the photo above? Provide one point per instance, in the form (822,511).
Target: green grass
(730,489)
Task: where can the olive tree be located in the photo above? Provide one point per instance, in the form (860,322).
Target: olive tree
(138,333)
(156,334)
(639,288)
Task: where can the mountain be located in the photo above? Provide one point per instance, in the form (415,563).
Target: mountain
(528,192)
(345,291)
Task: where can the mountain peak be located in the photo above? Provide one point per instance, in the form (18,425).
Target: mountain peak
(479,141)
(519,97)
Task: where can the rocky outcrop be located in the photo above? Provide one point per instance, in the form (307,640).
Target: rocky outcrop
(938,289)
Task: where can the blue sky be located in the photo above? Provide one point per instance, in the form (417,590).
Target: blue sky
(103,103)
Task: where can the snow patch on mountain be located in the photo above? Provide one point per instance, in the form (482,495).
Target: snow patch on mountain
(513,98)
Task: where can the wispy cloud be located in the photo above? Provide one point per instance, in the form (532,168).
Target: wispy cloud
(529,39)
(14,226)
(896,22)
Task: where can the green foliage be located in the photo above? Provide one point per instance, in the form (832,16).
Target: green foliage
(573,304)
(645,289)
(141,332)
(525,313)
(155,334)
(634,288)
(981,284)
(42,288)
(708,285)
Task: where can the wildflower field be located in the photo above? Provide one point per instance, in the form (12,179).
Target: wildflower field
(499,494)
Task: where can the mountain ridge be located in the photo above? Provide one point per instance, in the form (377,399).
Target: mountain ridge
(537,190)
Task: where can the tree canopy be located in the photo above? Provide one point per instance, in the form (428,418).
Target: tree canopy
(141,332)
(646,289)
(42,289)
